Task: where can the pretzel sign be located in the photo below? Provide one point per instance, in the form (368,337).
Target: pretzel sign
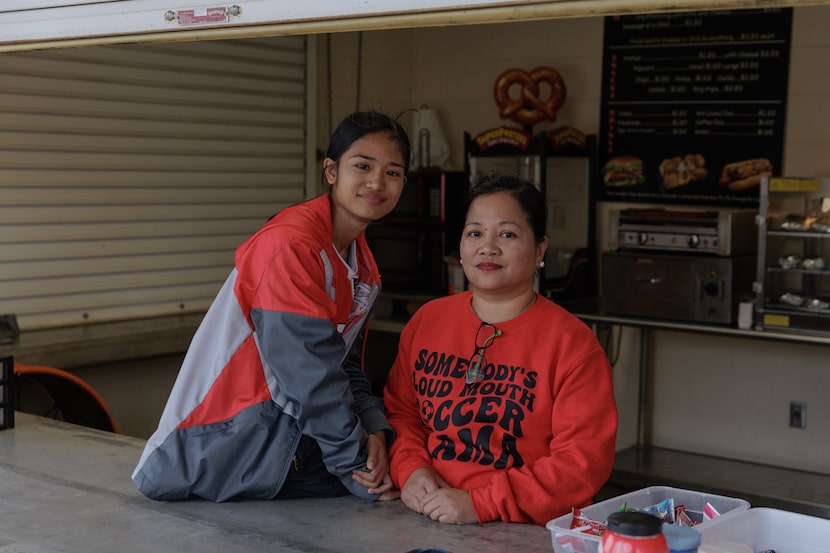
(526,107)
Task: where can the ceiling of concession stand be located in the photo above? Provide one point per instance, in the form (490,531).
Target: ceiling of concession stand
(39,24)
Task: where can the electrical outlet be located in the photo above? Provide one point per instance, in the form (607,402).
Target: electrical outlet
(798,414)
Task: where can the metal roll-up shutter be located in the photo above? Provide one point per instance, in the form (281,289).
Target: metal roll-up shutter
(129,174)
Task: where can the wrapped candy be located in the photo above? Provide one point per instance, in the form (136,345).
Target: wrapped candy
(583,524)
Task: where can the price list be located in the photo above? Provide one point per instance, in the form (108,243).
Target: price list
(701,122)
(690,97)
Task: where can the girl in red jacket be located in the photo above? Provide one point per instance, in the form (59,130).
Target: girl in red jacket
(271,400)
(501,400)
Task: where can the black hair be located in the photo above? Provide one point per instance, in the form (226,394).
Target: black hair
(361,123)
(530,198)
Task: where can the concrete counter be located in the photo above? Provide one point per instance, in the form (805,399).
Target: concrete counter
(67,488)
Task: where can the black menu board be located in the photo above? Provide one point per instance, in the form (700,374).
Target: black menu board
(693,105)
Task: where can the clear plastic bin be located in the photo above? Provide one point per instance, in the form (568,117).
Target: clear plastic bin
(566,540)
(762,528)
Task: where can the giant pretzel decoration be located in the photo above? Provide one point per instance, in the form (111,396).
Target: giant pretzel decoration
(526,107)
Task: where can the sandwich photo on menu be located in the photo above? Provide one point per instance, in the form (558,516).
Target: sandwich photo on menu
(742,175)
(679,171)
(623,171)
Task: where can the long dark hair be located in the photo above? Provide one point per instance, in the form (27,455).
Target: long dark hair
(359,124)
(529,197)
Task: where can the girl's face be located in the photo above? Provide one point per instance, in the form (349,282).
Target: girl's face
(367,181)
(498,249)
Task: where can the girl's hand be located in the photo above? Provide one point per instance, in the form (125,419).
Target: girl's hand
(377,480)
(390,493)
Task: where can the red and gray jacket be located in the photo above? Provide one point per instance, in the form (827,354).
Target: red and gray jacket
(277,356)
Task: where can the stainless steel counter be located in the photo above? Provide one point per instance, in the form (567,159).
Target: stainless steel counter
(67,488)
(644,465)
(591,313)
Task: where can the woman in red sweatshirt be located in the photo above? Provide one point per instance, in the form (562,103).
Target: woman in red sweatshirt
(501,400)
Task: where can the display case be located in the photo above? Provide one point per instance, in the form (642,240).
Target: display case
(565,178)
(793,273)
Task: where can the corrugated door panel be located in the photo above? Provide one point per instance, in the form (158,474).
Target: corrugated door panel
(36,176)
(130,174)
(45,268)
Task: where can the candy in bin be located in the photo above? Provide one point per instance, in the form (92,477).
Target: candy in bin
(681,517)
(663,510)
(581,523)
(709,512)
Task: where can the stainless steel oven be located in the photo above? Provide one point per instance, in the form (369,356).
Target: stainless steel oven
(680,264)
(681,287)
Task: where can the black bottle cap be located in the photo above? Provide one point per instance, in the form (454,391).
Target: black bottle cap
(634,523)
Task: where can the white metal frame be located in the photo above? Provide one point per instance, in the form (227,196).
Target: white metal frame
(36,24)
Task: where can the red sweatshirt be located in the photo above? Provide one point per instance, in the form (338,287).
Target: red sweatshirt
(535,438)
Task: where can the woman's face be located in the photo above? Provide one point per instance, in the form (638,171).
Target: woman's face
(367,181)
(498,249)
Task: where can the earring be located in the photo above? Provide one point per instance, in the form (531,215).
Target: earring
(461,262)
(541,264)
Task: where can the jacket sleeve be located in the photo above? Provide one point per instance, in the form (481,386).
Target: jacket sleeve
(367,406)
(584,425)
(409,451)
(302,351)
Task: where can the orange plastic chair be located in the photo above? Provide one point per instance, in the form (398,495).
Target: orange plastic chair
(60,395)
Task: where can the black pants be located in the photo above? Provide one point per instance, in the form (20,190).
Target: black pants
(308,476)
